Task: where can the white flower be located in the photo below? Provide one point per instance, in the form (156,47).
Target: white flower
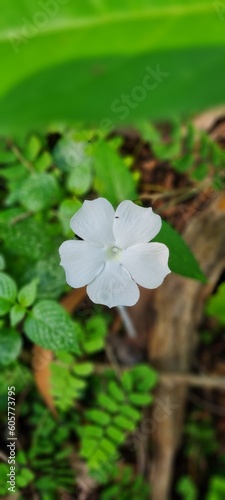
(114,254)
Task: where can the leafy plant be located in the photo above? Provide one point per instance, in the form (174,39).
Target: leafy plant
(126,486)
(187,488)
(216,488)
(116,412)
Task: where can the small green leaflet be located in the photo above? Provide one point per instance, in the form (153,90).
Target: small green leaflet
(215,306)
(27,294)
(181,259)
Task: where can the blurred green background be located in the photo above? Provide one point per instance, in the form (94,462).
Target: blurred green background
(63,61)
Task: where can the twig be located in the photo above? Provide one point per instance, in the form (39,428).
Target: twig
(113,361)
(201,381)
(180,194)
(27,164)
(21,217)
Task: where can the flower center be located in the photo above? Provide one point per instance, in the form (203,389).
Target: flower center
(113,253)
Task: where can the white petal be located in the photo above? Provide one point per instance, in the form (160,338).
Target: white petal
(133,224)
(113,287)
(147,263)
(94,222)
(81,261)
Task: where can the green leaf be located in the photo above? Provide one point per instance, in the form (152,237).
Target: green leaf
(24,477)
(107,403)
(96,326)
(83,369)
(144,377)
(181,259)
(4,470)
(108,446)
(116,392)
(10,346)
(187,488)
(88,447)
(66,211)
(98,416)
(130,412)
(69,154)
(39,191)
(113,180)
(127,381)
(215,306)
(184,163)
(6,156)
(125,423)
(17,313)
(101,71)
(115,434)
(92,431)
(200,172)
(2,262)
(28,238)
(33,148)
(8,291)
(43,162)
(140,399)
(27,294)
(79,180)
(51,327)
(92,346)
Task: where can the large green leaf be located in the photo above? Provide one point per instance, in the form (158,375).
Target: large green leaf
(113,180)
(8,291)
(181,259)
(64,60)
(10,346)
(50,326)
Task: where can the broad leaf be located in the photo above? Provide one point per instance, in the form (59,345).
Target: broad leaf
(49,326)
(17,313)
(67,209)
(113,180)
(181,259)
(8,291)
(10,346)
(115,60)
(39,191)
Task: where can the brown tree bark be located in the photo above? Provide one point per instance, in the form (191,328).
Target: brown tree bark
(178,309)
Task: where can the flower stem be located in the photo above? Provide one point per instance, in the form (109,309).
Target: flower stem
(127,322)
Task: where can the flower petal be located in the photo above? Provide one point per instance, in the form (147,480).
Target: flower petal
(81,261)
(113,287)
(133,224)
(94,222)
(147,263)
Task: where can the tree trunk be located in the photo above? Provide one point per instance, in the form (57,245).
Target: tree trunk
(178,306)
